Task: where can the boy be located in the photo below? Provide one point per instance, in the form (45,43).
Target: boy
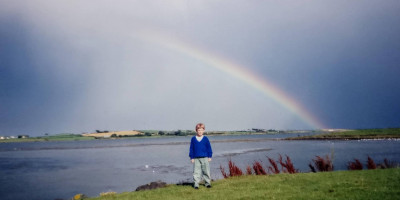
(200,154)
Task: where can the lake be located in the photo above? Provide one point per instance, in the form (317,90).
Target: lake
(59,170)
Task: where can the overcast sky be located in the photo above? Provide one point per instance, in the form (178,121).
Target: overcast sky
(80,66)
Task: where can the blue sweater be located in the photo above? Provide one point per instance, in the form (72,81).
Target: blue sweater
(200,149)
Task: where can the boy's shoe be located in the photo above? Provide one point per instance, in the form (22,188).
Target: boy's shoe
(208,186)
(196,188)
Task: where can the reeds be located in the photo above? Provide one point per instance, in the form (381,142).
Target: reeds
(248,170)
(370,163)
(274,167)
(312,168)
(356,165)
(258,168)
(223,172)
(388,164)
(321,164)
(287,165)
(233,170)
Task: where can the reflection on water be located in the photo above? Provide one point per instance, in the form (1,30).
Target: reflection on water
(53,170)
(23,165)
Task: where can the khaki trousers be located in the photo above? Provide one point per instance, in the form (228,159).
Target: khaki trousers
(201,169)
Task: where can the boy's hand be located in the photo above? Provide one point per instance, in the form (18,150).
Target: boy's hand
(192,160)
(209,159)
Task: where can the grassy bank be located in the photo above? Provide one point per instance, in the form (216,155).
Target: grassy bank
(365,184)
(354,134)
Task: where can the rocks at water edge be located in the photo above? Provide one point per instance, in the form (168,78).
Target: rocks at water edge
(151,186)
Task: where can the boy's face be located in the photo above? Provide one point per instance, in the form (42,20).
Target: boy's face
(200,131)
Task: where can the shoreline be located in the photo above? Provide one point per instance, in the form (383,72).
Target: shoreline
(331,134)
(79,137)
(360,134)
(345,138)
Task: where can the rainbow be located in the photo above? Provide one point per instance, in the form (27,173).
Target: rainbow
(237,71)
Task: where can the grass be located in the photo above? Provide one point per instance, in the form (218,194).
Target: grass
(355,134)
(361,184)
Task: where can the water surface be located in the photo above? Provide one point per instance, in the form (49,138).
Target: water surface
(50,170)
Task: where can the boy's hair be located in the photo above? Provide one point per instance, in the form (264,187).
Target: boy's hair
(200,125)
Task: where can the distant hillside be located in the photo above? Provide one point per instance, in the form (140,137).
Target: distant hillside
(109,134)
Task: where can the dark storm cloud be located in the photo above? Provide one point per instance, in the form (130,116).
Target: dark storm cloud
(72,66)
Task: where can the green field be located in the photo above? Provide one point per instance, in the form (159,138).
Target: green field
(355,134)
(365,184)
